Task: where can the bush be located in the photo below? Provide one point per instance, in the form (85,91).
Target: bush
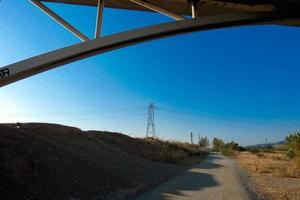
(172,151)
(268,150)
(218,145)
(228,152)
(292,141)
(227,149)
(290,154)
(203,143)
(255,151)
(242,149)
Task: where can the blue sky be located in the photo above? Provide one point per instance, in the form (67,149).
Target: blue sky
(235,83)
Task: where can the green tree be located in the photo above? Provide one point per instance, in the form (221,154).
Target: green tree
(232,145)
(218,145)
(292,141)
(204,142)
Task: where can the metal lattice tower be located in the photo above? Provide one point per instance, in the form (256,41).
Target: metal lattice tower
(151,126)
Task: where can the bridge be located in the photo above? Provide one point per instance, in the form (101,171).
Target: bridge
(189,16)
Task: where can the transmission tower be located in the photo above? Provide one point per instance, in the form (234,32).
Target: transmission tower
(150,126)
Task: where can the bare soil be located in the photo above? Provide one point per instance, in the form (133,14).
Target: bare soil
(49,161)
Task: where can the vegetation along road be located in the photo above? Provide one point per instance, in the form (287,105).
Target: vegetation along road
(217,177)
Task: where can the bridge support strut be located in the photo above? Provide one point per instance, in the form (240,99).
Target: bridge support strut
(60,20)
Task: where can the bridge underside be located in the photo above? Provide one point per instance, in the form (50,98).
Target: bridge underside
(203,7)
(190,15)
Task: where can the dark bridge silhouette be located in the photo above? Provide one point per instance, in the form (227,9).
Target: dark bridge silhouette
(190,16)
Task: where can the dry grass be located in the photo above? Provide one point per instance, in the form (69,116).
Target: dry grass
(174,151)
(273,174)
(276,163)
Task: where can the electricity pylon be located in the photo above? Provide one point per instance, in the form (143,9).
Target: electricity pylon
(151,126)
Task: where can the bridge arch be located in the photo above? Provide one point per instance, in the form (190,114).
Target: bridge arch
(88,48)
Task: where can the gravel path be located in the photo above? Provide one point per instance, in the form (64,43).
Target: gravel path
(215,178)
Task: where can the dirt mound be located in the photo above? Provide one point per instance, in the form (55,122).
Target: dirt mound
(48,161)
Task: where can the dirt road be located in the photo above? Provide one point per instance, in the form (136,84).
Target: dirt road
(215,178)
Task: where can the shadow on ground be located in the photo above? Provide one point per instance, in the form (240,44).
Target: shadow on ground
(200,181)
(209,162)
(191,180)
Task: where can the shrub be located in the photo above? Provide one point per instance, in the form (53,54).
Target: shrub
(290,154)
(218,145)
(227,149)
(254,150)
(228,152)
(292,141)
(204,143)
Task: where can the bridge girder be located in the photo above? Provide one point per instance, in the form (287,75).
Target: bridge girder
(88,48)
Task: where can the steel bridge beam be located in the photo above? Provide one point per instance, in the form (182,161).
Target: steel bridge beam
(47,61)
(59,20)
(158,9)
(99,20)
(194,9)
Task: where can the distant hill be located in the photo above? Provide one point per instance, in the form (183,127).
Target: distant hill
(255,146)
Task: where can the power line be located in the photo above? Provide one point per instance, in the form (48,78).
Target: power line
(93,118)
(77,112)
(232,126)
(106,112)
(193,115)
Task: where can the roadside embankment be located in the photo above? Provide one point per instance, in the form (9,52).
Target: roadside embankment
(49,161)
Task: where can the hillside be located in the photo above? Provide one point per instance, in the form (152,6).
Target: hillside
(49,161)
(255,146)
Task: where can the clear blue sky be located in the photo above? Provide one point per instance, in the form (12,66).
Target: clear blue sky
(237,83)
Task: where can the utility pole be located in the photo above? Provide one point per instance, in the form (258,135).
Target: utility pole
(150,132)
(191,137)
(266,140)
